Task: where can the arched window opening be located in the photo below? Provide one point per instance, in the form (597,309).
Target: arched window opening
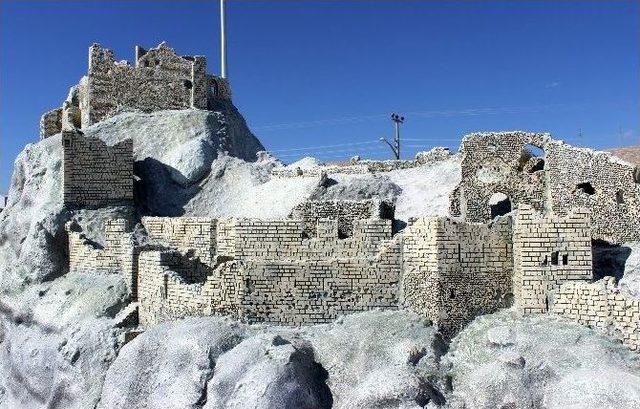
(499,204)
(585,187)
(531,158)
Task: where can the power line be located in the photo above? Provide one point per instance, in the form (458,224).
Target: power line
(314,148)
(322,147)
(319,153)
(426,114)
(346,152)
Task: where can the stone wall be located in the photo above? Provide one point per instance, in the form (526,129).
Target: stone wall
(562,179)
(51,123)
(454,271)
(358,167)
(186,234)
(116,255)
(160,80)
(601,306)
(267,272)
(548,251)
(346,212)
(95,174)
(170,286)
(498,163)
(599,182)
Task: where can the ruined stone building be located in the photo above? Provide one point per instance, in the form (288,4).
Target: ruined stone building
(160,80)
(502,170)
(524,219)
(279,272)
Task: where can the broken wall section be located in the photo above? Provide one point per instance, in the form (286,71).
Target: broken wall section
(597,181)
(346,212)
(268,272)
(170,287)
(160,80)
(51,123)
(95,174)
(499,163)
(548,251)
(195,235)
(454,271)
(600,305)
(117,254)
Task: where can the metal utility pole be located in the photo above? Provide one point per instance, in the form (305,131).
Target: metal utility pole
(621,135)
(395,146)
(580,136)
(223,42)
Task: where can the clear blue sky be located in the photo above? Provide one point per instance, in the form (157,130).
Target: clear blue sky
(312,73)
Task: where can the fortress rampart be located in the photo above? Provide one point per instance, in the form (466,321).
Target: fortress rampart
(272,271)
(266,271)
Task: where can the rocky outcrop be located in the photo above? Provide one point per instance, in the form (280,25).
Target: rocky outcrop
(57,340)
(543,361)
(367,360)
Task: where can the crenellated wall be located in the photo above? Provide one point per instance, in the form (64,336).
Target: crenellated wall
(160,80)
(600,305)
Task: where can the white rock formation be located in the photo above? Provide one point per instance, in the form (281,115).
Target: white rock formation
(60,341)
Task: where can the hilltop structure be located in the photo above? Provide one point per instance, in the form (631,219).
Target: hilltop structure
(159,80)
(523,219)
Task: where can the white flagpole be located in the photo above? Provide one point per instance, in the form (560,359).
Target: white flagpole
(223,42)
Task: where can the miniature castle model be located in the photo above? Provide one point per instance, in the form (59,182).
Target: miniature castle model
(160,80)
(559,179)
(520,234)
(96,174)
